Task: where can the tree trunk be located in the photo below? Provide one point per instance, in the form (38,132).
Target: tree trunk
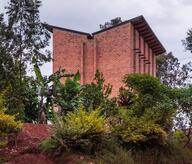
(41,115)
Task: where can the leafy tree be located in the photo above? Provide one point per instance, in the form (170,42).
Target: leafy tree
(66,95)
(49,91)
(30,36)
(171,72)
(7,65)
(184,113)
(113,22)
(188,41)
(31,100)
(147,109)
(23,38)
(10,72)
(28,39)
(96,95)
(147,97)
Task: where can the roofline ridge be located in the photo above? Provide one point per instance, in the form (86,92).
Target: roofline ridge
(122,23)
(50,28)
(134,21)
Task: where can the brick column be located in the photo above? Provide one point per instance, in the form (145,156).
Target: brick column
(142,55)
(146,58)
(155,66)
(150,62)
(137,52)
(95,57)
(132,62)
(148,65)
(82,63)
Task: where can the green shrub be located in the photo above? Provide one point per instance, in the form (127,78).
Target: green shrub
(79,130)
(8,123)
(179,135)
(145,96)
(96,95)
(49,145)
(66,95)
(143,83)
(138,131)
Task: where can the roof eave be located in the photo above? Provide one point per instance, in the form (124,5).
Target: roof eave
(51,27)
(156,45)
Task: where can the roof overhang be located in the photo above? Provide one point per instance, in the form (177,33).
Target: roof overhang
(141,25)
(51,27)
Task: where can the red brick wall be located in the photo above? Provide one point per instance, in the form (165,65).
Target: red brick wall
(114,52)
(89,61)
(67,49)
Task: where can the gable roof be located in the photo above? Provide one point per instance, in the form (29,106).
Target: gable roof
(51,27)
(139,23)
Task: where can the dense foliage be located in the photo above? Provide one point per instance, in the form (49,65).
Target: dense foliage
(139,131)
(22,38)
(143,121)
(66,94)
(188,41)
(96,95)
(30,37)
(8,124)
(171,72)
(79,130)
(149,98)
(151,117)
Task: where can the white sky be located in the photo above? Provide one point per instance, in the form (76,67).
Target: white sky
(169,19)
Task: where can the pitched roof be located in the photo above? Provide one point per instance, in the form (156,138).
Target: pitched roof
(139,23)
(51,27)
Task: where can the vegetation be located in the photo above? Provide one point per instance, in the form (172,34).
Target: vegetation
(139,131)
(171,72)
(150,121)
(188,41)
(79,130)
(113,22)
(65,95)
(142,125)
(96,95)
(8,124)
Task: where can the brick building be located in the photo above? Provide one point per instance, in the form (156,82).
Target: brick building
(130,47)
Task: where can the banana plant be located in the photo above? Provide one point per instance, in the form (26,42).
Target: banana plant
(46,86)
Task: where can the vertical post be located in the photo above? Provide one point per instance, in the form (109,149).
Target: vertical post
(95,57)
(155,66)
(146,58)
(148,66)
(151,61)
(137,50)
(142,55)
(134,52)
(82,63)
(132,61)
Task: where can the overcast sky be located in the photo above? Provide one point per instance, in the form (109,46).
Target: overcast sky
(169,19)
